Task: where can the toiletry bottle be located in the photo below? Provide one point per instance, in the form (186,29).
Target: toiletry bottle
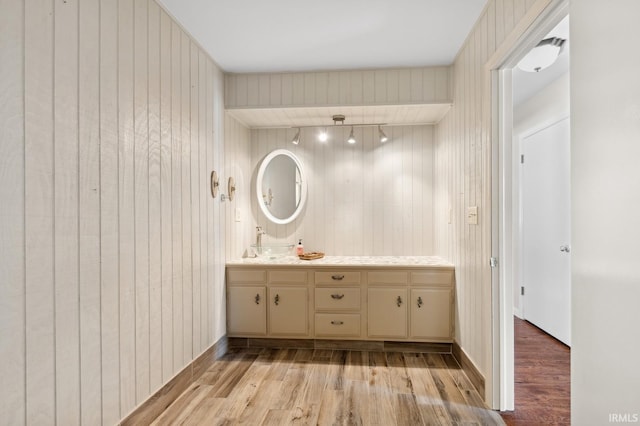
(299,248)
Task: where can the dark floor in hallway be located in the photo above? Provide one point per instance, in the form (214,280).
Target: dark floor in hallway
(542,378)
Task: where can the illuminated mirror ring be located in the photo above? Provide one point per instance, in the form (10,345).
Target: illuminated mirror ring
(281,186)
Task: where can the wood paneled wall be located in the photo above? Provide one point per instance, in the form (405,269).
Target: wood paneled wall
(332,88)
(240,233)
(111,256)
(363,199)
(463,175)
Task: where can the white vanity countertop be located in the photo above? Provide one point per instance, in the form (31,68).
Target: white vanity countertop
(344,261)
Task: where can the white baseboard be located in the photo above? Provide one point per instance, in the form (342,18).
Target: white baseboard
(518,313)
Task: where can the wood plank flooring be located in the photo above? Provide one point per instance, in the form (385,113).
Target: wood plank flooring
(542,378)
(270,386)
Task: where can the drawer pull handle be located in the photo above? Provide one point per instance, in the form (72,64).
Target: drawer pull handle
(399,301)
(276,299)
(337,277)
(337,322)
(337,296)
(257,299)
(419,302)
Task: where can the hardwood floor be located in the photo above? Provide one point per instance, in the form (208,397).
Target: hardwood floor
(542,378)
(304,386)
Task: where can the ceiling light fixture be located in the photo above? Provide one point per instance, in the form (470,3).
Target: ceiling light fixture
(383,137)
(296,138)
(543,55)
(323,135)
(352,138)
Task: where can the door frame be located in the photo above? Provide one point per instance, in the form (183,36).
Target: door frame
(501,378)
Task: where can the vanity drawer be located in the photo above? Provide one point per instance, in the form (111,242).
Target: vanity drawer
(337,277)
(337,325)
(337,299)
(284,277)
(438,278)
(387,277)
(246,276)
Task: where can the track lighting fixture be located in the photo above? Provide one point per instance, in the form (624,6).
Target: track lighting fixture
(352,138)
(296,138)
(383,137)
(338,119)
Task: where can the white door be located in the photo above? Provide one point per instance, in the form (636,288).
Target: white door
(546,229)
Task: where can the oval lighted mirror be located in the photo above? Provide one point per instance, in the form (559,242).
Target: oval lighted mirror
(281,187)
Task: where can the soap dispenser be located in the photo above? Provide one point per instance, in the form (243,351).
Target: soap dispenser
(299,248)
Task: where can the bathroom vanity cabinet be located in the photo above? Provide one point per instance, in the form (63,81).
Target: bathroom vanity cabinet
(364,298)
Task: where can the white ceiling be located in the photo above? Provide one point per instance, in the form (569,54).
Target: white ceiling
(289,35)
(295,35)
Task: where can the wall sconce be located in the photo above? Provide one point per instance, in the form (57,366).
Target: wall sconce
(214,184)
(543,55)
(231,188)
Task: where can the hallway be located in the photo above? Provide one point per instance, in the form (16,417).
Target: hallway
(542,378)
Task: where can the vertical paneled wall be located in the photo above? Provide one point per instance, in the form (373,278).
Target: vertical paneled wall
(463,176)
(240,229)
(356,87)
(111,256)
(363,199)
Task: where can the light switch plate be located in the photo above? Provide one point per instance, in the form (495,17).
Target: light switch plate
(472,215)
(238,214)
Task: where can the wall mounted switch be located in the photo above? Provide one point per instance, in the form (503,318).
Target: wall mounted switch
(238,214)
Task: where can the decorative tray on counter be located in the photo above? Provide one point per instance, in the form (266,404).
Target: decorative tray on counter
(311,255)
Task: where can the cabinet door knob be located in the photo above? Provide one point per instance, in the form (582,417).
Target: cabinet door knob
(276,299)
(399,301)
(419,302)
(337,296)
(257,299)
(337,322)
(337,277)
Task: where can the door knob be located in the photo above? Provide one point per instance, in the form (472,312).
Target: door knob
(565,249)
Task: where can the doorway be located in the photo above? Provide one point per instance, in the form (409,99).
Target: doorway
(507,224)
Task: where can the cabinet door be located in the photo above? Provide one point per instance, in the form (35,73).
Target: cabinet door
(246,311)
(288,311)
(387,312)
(431,313)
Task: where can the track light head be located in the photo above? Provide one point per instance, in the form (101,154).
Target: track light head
(383,137)
(296,138)
(323,136)
(352,138)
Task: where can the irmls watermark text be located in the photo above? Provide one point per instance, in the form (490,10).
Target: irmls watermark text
(624,418)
